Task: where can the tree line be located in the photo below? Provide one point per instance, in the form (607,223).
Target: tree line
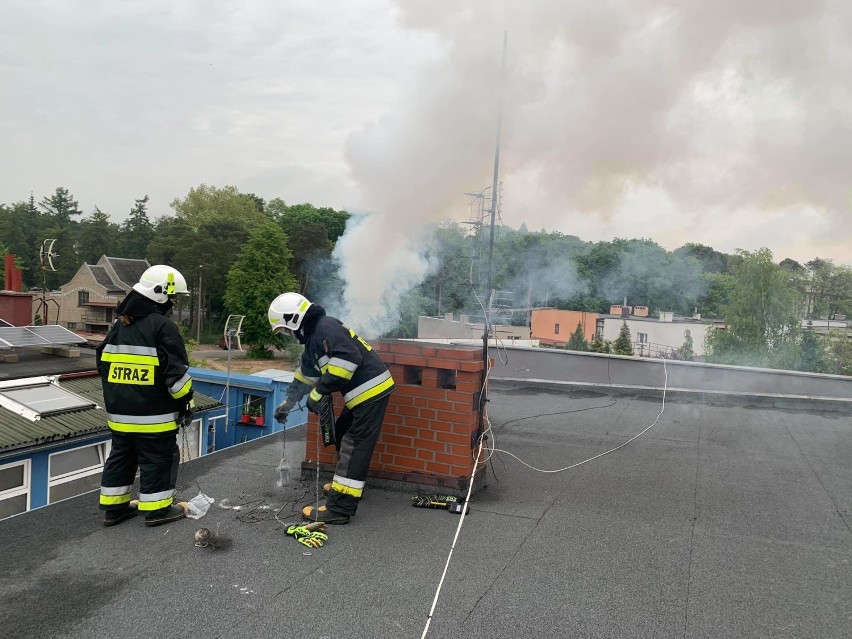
(221,238)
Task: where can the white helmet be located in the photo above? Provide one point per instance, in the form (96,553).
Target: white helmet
(159,282)
(287,312)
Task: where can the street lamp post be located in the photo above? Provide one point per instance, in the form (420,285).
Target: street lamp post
(198,325)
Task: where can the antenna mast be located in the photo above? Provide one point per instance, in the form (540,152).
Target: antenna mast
(494,199)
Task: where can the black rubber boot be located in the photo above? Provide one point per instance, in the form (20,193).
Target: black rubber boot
(324,515)
(166,515)
(114,517)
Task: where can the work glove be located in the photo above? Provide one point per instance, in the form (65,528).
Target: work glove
(312,538)
(186,413)
(314,399)
(282,411)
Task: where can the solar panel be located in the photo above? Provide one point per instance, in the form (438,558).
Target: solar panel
(18,336)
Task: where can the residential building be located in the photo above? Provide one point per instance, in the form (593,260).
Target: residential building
(447,327)
(659,336)
(553,327)
(54,439)
(87,301)
(247,403)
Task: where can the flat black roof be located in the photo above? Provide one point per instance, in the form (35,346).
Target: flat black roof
(723,520)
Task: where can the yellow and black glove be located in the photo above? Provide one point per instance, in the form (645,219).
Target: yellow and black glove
(308,537)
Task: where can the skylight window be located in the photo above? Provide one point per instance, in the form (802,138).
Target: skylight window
(38,397)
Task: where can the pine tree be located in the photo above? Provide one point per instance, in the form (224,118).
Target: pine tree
(61,205)
(623,344)
(138,231)
(687,351)
(600,345)
(577,341)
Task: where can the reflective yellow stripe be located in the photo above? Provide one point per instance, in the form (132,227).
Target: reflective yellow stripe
(122,427)
(337,371)
(315,395)
(310,381)
(363,343)
(183,391)
(110,500)
(126,358)
(370,393)
(346,490)
(156,505)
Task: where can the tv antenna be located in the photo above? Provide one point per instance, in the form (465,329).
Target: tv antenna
(46,256)
(233,330)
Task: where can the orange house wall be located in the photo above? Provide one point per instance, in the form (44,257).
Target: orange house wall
(544,321)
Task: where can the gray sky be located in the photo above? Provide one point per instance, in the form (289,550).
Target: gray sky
(727,123)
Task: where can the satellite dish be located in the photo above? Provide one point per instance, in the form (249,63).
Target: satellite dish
(47,255)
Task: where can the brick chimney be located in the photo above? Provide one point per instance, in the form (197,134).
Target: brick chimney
(432,421)
(12,279)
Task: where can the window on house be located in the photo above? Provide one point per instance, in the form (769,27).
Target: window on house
(14,488)
(254,406)
(71,325)
(192,435)
(212,424)
(643,338)
(556,329)
(82,298)
(74,472)
(38,397)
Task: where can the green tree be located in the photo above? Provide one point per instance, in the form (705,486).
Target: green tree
(259,274)
(761,317)
(410,307)
(137,232)
(60,209)
(687,350)
(813,352)
(712,261)
(600,345)
(98,236)
(311,232)
(718,287)
(623,344)
(61,205)
(839,355)
(210,228)
(577,341)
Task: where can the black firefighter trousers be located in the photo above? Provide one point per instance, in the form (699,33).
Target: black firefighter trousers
(357,440)
(157,458)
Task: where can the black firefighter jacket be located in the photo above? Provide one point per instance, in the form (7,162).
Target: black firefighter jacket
(336,359)
(143,368)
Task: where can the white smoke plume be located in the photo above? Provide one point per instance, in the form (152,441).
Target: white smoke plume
(718,106)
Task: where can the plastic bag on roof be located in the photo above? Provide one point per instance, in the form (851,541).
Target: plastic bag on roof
(198,506)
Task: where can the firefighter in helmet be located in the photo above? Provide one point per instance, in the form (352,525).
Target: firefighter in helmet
(148,396)
(335,359)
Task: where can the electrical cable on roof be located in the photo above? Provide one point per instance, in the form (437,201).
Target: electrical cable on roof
(455,539)
(559,470)
(484,436)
